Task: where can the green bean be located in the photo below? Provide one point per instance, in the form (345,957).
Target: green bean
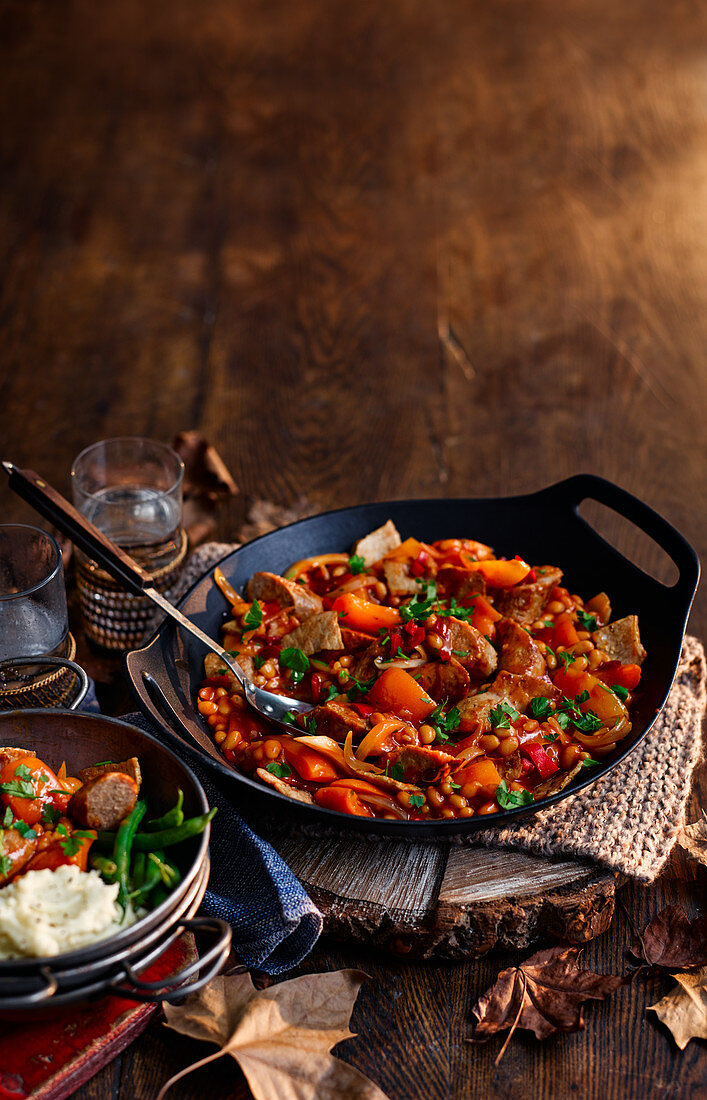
(159,895)
(152,879)
(172,818)
(169,873)
(105,866)
(122,849)
(148,842)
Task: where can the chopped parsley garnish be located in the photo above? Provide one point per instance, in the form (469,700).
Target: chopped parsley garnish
(550,736)
(395,771)
(567,659)
(417,801)
(50,814)
(460,652)
(586,621)
(562,719)
(298,662)
(587,723)
(356,564)
(502,716)
(8,818)
(280,770)
(72,844)
(510,800)
(258,662)
(290,716)
(420,606)
(589,763)
(444,724)
(5,865)
(360,687)
(541,707)
(18,789)
(620,690)
(331,694)
(254,616)
(310,724)
(23,772)
(24,829)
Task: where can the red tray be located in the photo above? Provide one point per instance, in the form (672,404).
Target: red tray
(49,1059)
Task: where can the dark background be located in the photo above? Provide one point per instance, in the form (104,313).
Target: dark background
(371,250)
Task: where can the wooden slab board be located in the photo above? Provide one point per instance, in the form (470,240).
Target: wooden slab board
(448,901)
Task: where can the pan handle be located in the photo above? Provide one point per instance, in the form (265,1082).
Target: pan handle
(206,967)
(574,490)
(61,662)
(30,1000)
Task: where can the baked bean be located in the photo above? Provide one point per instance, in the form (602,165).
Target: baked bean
(220,736)
(489,742)
(268,669)
(224,706)
(346,661)
(447,812)
(530,725)
(583,635)
(427,735)
(434,797)
(457,801)
(380,590)
(568,757)
(207,707)
(338,571)
(508,746)
(258,754)
(206,694)
(488,808)
(466,811)
(555,607)
(377,717)
(272,748)
(446,786)
(231,740)
(470,790)
(551,660)
(434,641)
(220,692)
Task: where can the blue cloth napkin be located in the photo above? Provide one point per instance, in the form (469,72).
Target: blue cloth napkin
(275,923)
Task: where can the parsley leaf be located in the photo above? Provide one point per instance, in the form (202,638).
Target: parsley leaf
(420,606)
(417,801)
(510,800)
(24,829)
(567,659)
(7,819)
(360,687)
(589,763)
(310,724)
(280,770)
(23,772)
(586,621)
(502,716)
(619,690)
(541,707)
(254,616)
(298,662)
(550,736)
(17,789)
(587,723)
(258,662)
(290,716)
(356,564)
(72,844)
(562,719)
(331,694)
(395,771)
(50,814)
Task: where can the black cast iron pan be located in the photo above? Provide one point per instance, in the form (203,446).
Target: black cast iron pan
(543,527)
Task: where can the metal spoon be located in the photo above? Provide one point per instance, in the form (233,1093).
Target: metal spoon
(124,569)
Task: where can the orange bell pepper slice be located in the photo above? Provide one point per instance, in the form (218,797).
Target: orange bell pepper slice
(626,676)
(360,614)
(309,764)
(54,855)
(396,692)
(343,799)
(573,683)
(503,574)
(484,772)
(565,632)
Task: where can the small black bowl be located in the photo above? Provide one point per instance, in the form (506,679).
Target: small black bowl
(544,527)
(81,739)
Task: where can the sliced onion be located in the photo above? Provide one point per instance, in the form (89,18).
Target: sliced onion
(363,580)
(306,564)
(383,802)
(468,754)
(326,746)
(377,735)
(357,766)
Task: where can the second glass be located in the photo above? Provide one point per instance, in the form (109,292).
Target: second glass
(131,489)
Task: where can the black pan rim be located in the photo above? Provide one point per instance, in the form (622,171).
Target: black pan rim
(311,816)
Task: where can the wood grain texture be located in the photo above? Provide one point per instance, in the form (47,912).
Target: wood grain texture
(372,250)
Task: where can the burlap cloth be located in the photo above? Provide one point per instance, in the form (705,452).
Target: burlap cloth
(628,820)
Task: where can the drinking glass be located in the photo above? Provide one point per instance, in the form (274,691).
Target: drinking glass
(131,489)
(35,645)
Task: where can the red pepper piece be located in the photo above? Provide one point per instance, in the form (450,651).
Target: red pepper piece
(419,565)
(544,765)
(364,709)
(316,687)
(415,633)
(396,642)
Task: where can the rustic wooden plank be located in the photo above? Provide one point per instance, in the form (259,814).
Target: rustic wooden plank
(474,875)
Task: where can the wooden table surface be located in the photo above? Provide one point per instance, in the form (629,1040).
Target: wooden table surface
(372,250)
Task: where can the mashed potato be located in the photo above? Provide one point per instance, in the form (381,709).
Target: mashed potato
(50,912)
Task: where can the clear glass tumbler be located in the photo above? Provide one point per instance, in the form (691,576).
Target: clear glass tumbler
(131,489)
(36,647)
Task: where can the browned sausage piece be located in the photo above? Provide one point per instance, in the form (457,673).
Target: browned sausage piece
(130,767)
(103,802)
(17,850)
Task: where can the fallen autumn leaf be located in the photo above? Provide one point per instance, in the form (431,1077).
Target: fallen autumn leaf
(684,1011)
(280,1036)
(693,838)
(544,995)
(672,941)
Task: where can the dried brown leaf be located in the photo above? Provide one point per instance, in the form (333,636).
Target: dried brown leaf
(265,516)
(544,995)
(207,482)
(280,1036)
(693,838)
(684,1010)
(672,941)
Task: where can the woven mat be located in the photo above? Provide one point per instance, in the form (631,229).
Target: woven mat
(627,821)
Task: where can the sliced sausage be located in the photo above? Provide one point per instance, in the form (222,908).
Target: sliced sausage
(508,687)
(443,680)
(289,594)
(621,641)
(399,581)
(519,652)
(17,849)
(378,543)
(470,647)
(525,602)
(129,767)
(320,632)
(336,719)
(103,802)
